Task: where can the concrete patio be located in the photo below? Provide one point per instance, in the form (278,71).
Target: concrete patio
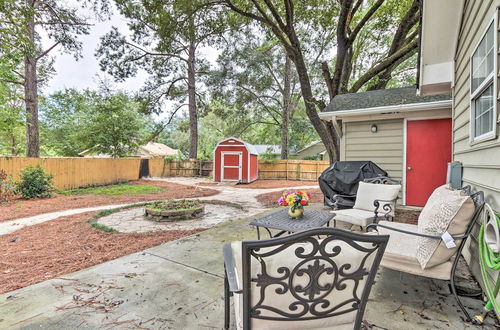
(179,285)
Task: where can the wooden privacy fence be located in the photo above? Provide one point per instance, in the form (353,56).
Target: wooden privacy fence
(81,172)
(292,169)
(268,169)
(159,167)
(77,172)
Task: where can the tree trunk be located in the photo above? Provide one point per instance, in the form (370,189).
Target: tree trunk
(13,148)
(287,101)
(193,115)
(326,135)
(31,94)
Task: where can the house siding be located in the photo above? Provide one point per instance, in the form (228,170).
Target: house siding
(313,151)
(481,161)
(384,148)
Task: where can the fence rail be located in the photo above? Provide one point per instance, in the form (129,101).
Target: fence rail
(77,172)
(180,167)
(81,172)
(292,169)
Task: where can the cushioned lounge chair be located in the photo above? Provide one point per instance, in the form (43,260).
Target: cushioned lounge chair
(315,279)
(420,249)
(375,197)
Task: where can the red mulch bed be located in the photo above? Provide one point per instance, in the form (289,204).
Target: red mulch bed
(270,200)
(54,248)
(20,208)
(259,184)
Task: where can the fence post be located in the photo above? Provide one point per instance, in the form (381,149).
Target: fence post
(286,169)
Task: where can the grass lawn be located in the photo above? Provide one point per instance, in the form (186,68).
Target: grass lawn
(115,190)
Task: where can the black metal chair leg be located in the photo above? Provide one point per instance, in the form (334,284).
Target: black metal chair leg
(226,302)
(462,307)
(452,281)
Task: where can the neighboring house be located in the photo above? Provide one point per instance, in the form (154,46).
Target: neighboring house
(272,150)
(149,150)
(315,149)
(408,136)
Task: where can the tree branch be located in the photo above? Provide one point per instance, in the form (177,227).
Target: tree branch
(147,52)
(365,19)
(403,53)
(45,52)
(12,82)
(231,6)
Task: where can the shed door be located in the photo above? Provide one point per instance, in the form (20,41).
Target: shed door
(428,152)
(231,166)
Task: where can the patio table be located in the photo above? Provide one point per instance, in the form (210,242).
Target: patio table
(282,222)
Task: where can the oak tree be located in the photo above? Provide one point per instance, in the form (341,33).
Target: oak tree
(348,20)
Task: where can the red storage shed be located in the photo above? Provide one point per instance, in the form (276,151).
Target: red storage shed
(235,160)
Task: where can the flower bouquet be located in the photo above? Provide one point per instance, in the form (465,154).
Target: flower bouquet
(295,201)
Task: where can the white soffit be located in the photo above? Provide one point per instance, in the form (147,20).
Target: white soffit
(440,26)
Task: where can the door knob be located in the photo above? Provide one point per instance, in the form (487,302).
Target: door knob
(409,168)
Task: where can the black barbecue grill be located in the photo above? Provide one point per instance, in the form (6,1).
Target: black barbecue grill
(342,178)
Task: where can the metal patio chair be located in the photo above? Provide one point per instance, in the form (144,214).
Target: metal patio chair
(319,278)
(370,202)
(401,249)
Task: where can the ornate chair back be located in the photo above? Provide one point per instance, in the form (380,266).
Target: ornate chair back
(319,278)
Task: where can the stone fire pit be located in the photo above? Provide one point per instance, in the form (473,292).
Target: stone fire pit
(174,210)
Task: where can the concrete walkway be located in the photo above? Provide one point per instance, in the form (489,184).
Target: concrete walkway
(245,197)
(179,285)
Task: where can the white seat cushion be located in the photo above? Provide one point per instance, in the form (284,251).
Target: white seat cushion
(401,253)
(287,258)
(369,192)
(355,216)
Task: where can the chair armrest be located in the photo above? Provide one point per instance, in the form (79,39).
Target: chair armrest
(374,225)
(230,269)
(387,206)
(345,196)
(335,199)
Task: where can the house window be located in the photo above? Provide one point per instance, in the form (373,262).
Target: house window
(483,87)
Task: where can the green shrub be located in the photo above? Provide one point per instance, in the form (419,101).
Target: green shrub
(7,187)
(35,183)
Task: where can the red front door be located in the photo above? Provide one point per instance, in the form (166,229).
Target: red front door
(231,166)
(428,152)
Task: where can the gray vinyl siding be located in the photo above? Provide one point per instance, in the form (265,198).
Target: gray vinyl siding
(481,161)
(313,151)
(384,148)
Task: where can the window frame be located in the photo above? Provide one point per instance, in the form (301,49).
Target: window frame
(490,80)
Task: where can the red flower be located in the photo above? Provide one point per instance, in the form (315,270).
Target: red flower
(285,203)
(303,202)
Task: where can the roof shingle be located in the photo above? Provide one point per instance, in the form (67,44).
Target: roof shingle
(380,98)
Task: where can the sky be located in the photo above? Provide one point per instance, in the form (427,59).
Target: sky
(83,73)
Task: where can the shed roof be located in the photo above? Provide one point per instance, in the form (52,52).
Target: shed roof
(159,149)
(380,98)
(250,147)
